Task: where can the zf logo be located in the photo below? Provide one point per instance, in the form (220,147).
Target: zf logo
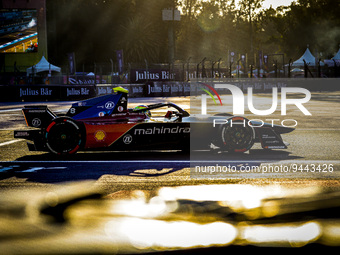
(127,139)
(36,122)
(109,105)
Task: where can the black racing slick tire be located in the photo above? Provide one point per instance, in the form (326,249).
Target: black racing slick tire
(64,136)
(237,136)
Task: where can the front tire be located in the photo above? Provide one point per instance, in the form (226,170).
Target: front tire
(236,136)
(63,136)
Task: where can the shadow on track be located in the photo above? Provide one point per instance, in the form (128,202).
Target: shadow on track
(89,156)
(48,168)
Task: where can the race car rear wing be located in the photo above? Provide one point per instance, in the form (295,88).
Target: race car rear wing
(38,116)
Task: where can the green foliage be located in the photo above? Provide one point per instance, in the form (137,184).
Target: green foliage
(139,40)
(308,22)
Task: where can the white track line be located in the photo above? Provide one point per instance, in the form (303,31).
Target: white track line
(11,110)
(10,142)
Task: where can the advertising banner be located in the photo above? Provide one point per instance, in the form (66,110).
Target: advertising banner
(78,92)
(168,89)
(47,92)
(151,89)
(85,79)
(135,90)
(151,75)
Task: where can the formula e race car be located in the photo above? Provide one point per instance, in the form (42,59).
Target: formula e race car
(106,123)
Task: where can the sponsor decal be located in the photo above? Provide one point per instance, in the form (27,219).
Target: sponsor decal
(162,130)
(100,135)
(21,134)
(36,122)
(36,111)
(109,105)
(127,139)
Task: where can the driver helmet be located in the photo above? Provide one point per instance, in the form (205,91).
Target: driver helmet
(139,107)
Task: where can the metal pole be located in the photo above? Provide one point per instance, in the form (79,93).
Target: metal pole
(146,68)
(188,68)
(111,70)
(212,69)
(203,69)
(219,73)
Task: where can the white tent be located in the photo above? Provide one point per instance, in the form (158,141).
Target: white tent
(42,66)
(235,71)
(309,58)
(335,59)
(256,71)
(296,70)
(337,56)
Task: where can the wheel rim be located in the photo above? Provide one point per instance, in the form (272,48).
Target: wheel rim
(63,137)
(238,138)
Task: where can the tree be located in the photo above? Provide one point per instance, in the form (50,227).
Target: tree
(139,40)
(94,30)
(206,29)
(248,11)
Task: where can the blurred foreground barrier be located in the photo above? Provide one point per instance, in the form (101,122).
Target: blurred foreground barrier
(78,219)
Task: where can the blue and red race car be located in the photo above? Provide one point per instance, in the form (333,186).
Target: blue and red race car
(106,123)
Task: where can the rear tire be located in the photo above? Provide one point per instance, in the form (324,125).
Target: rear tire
(64,136)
